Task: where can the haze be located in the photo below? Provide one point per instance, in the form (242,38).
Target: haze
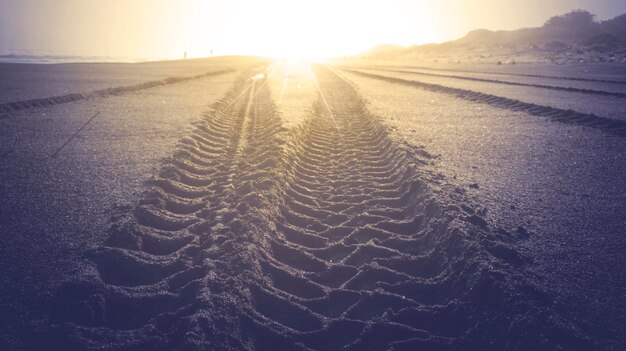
(150,29)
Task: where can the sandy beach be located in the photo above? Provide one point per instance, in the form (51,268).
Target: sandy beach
(240,203)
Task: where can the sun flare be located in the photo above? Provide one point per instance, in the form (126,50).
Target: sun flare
(309,30)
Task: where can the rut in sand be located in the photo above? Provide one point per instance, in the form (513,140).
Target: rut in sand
(505,82)
(323,237)
(609,125)
(68,98)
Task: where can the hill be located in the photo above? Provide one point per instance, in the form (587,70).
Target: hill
(573,37)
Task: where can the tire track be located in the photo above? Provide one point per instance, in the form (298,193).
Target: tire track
(609,125)
(580,79)
(495,81)
(171,274)
(325,237)
(366,258)
(67,98)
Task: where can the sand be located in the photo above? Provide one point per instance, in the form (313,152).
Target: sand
(324,217)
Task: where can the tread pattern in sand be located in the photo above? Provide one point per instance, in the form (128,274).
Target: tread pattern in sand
(352,243)
(182,252)
(323,237)
(613,126)
(543,76)
(67,98)
(504,82)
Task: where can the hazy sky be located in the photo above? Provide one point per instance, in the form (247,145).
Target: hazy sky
(167,28)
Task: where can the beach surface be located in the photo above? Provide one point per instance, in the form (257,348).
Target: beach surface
(247,204)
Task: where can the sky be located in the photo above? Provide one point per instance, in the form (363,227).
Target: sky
(166,29)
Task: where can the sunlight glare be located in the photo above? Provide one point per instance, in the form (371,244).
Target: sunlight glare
(307,30)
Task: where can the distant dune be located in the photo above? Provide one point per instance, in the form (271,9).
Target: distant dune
(570,38)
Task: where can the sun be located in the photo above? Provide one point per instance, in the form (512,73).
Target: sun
(281,29)
(305,30)
(296,30)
